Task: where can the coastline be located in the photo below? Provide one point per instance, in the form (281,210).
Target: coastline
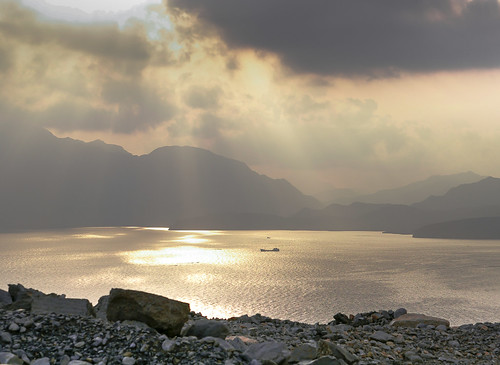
(365,338)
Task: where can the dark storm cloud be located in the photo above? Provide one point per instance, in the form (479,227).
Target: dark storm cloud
(359,37)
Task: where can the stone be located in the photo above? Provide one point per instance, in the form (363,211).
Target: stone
(268,351)
(79,362)
(128,360)
(399,312)
(303,352)
(163,314)
(381,336)
(414,319)
(5,337)
(101,307)
(326,348)
(61,305)
(168,345)
(205,327)
(326,360)
(5,298)
(14,327)
(42,361)
(9,358)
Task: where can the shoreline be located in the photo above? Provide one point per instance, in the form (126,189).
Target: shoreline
(375,337)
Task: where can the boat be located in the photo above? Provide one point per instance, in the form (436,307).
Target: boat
(276,249)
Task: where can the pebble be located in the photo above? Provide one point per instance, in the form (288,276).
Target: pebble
(362,339)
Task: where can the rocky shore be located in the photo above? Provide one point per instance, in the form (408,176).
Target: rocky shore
(130,327)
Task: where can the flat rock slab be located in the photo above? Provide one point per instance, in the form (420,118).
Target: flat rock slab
(61,305)
(163,314)
(414,319)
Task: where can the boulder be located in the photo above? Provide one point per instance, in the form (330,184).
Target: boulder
(163,314)
(61,305)
(205,327)
(5,298)
(414,319)
(10,358)
(268,351)
(101,307)
(327,348)
(22,298)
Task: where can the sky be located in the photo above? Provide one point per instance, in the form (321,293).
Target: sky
(327,94)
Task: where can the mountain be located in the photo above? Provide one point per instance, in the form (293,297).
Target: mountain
(340,196)
(478,195)
(50,182)
(473,228)
(415,192)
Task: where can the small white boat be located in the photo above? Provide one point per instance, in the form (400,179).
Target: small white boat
(276,249)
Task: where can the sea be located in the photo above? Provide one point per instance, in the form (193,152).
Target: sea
(221,274)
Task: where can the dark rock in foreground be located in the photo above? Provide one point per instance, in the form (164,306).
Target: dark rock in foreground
(163,314)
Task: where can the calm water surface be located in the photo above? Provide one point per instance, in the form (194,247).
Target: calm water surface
(223,273)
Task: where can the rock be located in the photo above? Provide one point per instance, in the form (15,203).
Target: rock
(168,345)
(268,351)
(79,362)
(303,352)
(9,358)
(5,337)
(341,318)
(163,314)
(61,305)
(381,336)
(128,360)
(205,327)
(399,312)
(5,298)
(326,348)
(414,319)
(101,307)
(14,327)
(22,297)
(327,360)
(42,361)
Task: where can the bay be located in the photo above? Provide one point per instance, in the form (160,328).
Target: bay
(223,273)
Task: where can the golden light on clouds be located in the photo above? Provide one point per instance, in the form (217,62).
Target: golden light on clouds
(292,100)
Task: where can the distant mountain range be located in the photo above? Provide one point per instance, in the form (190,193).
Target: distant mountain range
(408,194)
(50,182)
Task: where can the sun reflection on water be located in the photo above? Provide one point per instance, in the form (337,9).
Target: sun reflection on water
(180,255)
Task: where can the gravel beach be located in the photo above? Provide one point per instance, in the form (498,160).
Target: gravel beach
(366,338)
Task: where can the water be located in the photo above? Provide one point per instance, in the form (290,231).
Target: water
(224,274)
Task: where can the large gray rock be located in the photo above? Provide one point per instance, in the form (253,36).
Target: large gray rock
(22,298)
(61,305)
(327,348)
(9,358)
(163,314)
(304,351)
(5,298)
(268,351)
(101,307)
(414,319)
(205,327)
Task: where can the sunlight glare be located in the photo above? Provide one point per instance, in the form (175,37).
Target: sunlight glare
(178,256)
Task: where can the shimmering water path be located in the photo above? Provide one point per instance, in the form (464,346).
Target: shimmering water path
(223,273)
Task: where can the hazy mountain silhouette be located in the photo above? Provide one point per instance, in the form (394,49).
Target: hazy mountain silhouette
(472,228)
(467,196)
(414,192)
(50,182)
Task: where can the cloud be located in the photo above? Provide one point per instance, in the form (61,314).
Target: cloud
(200,97)
(103,40)
(82,76)
(357,37)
